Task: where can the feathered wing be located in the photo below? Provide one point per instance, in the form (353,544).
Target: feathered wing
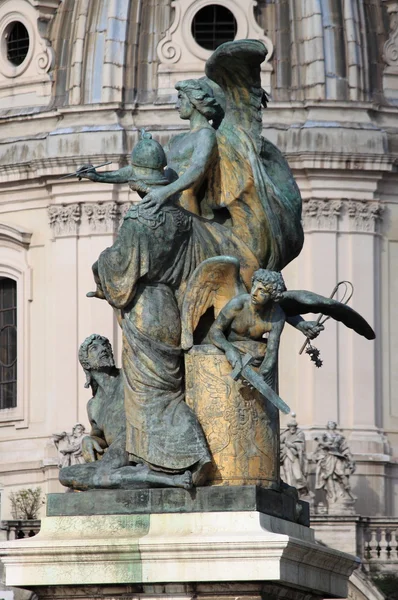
(236,68)
(213,283)
(296,302)
(251,178)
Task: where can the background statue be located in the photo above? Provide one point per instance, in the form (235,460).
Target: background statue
(334,465)
(293,458)
(108,463)
(69,446)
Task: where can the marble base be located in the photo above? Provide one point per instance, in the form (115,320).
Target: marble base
(220,548)
(337,531)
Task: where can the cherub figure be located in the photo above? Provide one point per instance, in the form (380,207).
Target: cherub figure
(257,316)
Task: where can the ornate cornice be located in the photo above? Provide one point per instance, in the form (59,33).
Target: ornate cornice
(64,219)
(320,214)
(364,216)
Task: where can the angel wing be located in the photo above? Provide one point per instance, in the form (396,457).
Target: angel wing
(252,179)
(213,283)
(296,302)
(236,68)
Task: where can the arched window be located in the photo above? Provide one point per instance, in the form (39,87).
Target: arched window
(8,343)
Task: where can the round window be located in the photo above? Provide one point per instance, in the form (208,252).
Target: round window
(17,41)
(213,25)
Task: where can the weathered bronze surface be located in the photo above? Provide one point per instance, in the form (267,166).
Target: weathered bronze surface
(220,214)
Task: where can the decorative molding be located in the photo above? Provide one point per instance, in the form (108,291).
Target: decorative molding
(321,214)
(365,216)
(14,264)
(46,9)
(168,49)
(390,55)
(31,81)
(15,235)
(181,57)
(102,217)
(390,51)
(65,219)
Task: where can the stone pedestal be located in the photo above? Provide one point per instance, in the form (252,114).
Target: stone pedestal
(216,553)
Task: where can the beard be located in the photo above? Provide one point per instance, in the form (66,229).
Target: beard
(103,363)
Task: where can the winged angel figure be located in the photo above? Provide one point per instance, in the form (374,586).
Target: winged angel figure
(223,170)
(259,316)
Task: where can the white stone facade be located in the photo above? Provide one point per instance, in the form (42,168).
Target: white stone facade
(97,73)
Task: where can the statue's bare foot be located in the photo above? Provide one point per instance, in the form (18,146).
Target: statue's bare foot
(183,481)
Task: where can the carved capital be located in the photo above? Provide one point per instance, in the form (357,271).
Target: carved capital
(64,219)
(102,217)
(365,216)
(320,214)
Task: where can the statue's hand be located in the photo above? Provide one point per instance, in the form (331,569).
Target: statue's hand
(90,446)
(155,199)
(87,171)
(97,294)
(233,357)
(311,329)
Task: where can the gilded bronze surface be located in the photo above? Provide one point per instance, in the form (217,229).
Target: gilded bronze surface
(240,425)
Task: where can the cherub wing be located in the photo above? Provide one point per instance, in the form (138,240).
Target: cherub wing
(296,302)
(213,283)
(236,68)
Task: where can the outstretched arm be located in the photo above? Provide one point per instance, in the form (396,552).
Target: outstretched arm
(311,329)
(270,362)
(220,327)
(120,176)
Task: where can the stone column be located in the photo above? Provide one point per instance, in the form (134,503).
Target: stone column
(63,341)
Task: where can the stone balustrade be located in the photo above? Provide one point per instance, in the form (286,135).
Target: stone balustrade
(18,530)
(378,542)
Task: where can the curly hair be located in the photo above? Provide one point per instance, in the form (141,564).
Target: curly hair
(202,98)
(85,363)
(83,350)
(272,281)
